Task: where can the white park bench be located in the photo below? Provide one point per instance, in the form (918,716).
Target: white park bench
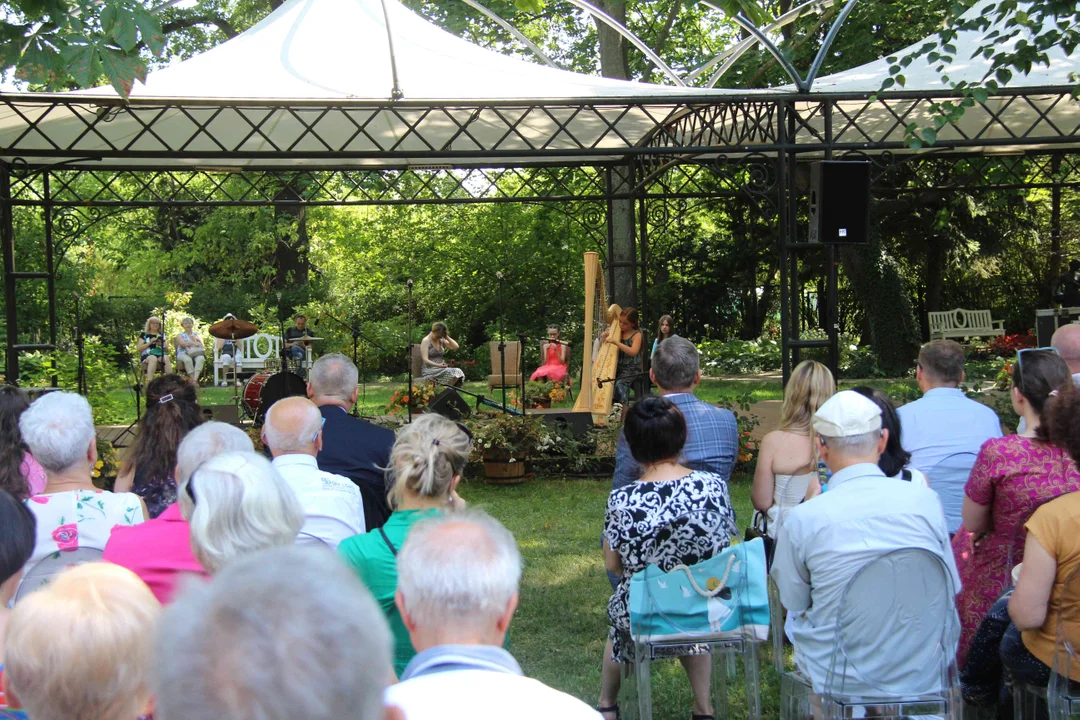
(960,323)
(257,353)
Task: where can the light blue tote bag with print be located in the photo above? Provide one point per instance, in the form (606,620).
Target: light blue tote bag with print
(722,598)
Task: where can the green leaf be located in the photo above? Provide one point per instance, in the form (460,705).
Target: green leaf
(108,19)
(980,94)
(121,69)
(900,79)
(887,83)
(81,62)
(1004,75)
(150,30)
(929,135)
(915,143)
(127,35)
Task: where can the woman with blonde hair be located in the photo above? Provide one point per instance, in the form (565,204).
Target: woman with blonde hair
(151,347)
(425,468)
(787,461)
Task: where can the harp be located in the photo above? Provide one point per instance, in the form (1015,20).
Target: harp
(598,359)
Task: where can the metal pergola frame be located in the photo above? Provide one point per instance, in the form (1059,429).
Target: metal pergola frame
(754,142)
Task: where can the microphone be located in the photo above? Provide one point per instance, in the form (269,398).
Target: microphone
(498,274)
(409,282)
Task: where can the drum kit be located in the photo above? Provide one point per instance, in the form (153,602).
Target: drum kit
(265,388)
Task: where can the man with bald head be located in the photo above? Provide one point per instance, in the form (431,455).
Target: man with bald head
(352,447)
(293,431)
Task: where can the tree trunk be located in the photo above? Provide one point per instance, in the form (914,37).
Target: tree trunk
(291,260)
(876,279)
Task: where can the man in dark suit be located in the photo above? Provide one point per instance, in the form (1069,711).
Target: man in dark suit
(351,447)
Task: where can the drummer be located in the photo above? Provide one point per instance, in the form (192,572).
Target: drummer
(296,348)
(229,351)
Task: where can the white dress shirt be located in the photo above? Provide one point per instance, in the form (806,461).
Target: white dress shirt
(827,539)
(943,422)
(332,504)
(484,695)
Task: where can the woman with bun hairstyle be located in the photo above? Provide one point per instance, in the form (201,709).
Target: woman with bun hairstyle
(425,468)
(690,506)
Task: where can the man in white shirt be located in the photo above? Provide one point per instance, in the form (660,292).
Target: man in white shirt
(458,576)
(944,422)
(828,539)
(332,503)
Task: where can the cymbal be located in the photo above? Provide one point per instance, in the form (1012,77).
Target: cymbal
(306,338)
(233,329)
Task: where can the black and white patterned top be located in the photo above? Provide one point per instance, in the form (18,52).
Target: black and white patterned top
(666,523)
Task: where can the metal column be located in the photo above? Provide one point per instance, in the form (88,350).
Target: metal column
(50,270)
(7,239)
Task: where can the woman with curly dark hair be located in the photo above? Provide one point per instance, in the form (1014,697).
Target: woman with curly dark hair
(20,474)
(172,410)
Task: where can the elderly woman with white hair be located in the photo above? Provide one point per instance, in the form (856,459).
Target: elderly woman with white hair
(159,551)
(190,350)
(71,512)
(81,647)
(238,503)
(425,468)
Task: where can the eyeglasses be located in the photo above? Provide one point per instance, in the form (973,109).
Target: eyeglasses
(316,436)
(465,429)
(1020,355)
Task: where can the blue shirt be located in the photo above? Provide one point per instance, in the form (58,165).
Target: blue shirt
(941,423)
(712,441)
(448,658)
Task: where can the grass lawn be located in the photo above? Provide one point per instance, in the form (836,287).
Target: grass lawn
(559,631)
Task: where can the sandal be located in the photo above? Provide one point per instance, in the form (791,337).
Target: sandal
(610,709)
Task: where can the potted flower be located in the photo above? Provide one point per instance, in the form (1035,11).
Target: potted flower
(543,394)
(400,400)
(505,443)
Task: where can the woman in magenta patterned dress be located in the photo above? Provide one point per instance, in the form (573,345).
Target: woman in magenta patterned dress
(1012,476)
(556,358)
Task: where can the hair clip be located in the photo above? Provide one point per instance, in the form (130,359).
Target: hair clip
(435,441)
(1054,393)
(164,399)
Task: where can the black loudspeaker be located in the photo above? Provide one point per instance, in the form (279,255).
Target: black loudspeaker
(579,423)
(840,202)
(450,404)
(221,413)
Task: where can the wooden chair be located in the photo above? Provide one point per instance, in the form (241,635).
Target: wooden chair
(513,366)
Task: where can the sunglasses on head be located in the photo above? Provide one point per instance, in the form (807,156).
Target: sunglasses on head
(1020,355)
(190,488)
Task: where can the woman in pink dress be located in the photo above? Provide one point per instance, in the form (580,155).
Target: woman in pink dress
(556,358)
(1012,476)
(20,474)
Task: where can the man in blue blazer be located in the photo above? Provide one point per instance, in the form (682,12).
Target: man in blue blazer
(352,447)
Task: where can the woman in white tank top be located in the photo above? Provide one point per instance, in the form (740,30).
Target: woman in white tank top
(787,462)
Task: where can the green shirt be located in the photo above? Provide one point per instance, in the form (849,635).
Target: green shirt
(372,560)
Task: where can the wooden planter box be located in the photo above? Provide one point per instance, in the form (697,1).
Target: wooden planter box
(501,469)
(534,404)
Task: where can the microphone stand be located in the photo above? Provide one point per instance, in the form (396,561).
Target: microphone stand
(408,349)
(356,335)
(482,400)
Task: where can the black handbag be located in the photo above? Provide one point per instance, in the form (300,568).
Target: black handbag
(759,528)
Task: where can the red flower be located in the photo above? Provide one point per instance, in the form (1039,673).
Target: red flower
(66,537)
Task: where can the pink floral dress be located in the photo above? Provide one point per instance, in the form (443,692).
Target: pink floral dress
(80,518)
(1013,475)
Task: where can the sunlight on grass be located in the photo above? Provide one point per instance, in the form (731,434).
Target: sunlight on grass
(559,630)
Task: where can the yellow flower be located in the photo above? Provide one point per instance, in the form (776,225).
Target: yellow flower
(99,464)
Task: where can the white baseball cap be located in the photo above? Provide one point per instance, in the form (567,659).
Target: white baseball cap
(847,413)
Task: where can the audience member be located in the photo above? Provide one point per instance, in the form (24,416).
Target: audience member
(1066,340)
(944,422)
(332,504)
(71,512)
(787,466)
(826,541)
(159,551)
(172,410)
(20,474)
(690,504)
(458,579)
(237,503)
(425,468)
(1012,476)
(351,447)
(81,647)
(895,460)
(17,528)
(1049,587)
(712,439)
(281,633)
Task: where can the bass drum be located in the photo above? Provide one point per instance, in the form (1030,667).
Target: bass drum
(265,389)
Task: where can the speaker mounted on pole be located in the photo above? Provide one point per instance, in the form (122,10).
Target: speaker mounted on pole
(840,202)
(450,404)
